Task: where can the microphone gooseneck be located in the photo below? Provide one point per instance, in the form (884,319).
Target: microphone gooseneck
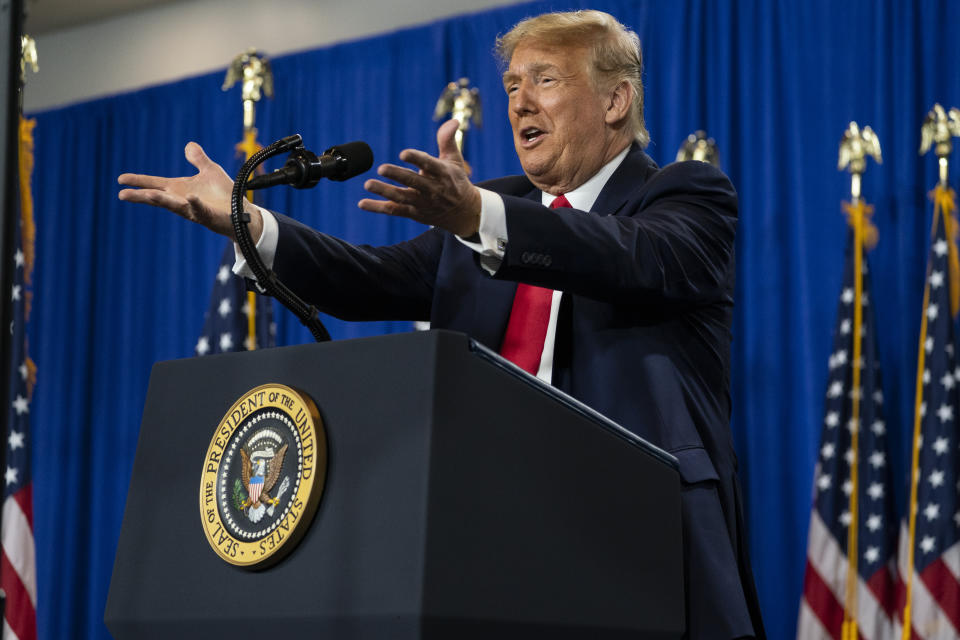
(303,169)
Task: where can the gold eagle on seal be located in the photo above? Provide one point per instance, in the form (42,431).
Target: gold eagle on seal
(259,475)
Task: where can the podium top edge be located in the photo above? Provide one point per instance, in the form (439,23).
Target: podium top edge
(573,404)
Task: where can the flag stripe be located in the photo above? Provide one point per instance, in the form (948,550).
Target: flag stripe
(24,498)
(19,613)
(823,604)
(18,547)
(944,589)
(809,625)
(828,563)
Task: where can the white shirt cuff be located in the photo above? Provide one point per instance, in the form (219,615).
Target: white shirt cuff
(493,231)
(266,246)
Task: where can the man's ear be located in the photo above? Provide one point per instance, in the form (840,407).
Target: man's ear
(619,101)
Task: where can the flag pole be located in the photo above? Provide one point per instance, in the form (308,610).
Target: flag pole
(855,146)
(252,69)
(936,132)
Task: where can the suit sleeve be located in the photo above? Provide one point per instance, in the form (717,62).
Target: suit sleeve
(671,240)
(358,282)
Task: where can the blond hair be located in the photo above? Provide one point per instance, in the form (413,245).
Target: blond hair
(616,51)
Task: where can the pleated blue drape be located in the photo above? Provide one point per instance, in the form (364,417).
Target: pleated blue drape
(119,287)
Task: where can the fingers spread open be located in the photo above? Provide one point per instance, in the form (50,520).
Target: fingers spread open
(400,195)
(403,176)
(195,155)
(422,160)
(156,198)
(142,181)
(387,207)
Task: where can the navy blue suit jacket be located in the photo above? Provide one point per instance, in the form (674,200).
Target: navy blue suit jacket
(643,334)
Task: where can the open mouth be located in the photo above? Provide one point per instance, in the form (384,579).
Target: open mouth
(530,135)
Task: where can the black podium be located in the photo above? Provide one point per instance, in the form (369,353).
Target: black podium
(463,499)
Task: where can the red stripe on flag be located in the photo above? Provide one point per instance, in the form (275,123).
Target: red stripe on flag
(822,601)
(901,591)
(19,612)
(24,498)
(884,589)
(944,588)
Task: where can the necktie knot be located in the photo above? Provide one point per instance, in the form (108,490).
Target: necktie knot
(560,201)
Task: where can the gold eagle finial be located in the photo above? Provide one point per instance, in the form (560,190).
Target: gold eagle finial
(938,130)
(699,147)
(252,69)
(462,103)
(855,146)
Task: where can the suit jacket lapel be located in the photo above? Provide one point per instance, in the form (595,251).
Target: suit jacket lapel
(630,176)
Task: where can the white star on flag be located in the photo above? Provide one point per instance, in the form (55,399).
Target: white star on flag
(878,459)
(845,327)
(928,345)
(940,247)
(18,258)
(847,487)
(223,274)
(823,482)
(936,478)
(11,475)
(845,518)
(16,439)
(878,427)
(226,342)
(20,405)
(832,419)
(203,346)
(835,390)
(15,292)
(926,376)
(932,511)
(947,381)
(932,311)
(927,544)
(941,445)
(871,554)
(945,413)
(827,451)
(875,491)
(874,522)
(936,279)
(224,308)
(847,296)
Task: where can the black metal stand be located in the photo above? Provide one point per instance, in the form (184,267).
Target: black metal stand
(265,277)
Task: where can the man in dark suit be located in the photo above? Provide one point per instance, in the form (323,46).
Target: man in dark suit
(596,271)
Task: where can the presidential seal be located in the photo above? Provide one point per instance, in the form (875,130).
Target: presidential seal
(263,476)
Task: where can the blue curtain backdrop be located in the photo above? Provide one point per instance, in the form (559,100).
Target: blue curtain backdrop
(119,287)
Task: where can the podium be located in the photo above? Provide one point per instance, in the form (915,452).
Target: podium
(463,499)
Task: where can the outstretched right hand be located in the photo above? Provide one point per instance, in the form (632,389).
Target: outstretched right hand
(203,198)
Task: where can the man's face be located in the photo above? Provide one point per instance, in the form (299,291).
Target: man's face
(558,116)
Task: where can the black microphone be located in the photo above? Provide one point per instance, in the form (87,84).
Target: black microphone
(303,169)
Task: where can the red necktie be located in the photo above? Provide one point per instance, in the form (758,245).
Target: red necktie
(529,317)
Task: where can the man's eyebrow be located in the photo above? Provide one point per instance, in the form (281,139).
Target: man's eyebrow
(536,67)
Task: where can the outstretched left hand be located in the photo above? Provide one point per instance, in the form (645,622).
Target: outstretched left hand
(440,194)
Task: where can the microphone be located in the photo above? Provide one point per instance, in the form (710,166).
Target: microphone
(303,169)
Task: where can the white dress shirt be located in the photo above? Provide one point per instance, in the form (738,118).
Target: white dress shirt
(491,246)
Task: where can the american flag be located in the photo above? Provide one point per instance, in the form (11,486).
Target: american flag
(18,576)
(225,322)
(934,588)
(825,588)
